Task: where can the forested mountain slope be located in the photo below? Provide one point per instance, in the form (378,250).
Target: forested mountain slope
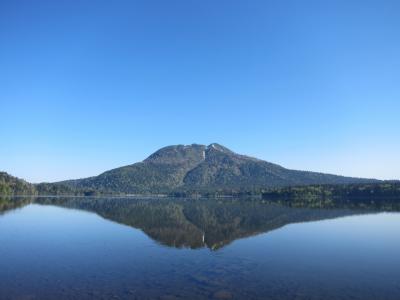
(200,168)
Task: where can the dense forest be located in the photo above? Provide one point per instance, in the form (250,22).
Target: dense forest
(383,193)
(10,185)
(380,195)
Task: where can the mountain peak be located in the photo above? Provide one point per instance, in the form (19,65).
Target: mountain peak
(177,154)
(220,148)
(180,153)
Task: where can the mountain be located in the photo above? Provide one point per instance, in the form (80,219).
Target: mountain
(10,185)
(197,168)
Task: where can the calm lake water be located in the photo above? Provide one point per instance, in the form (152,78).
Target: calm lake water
(109,248)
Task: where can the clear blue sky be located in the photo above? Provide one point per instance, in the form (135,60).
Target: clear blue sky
(86,86)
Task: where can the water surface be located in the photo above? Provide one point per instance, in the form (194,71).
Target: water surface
(110,248)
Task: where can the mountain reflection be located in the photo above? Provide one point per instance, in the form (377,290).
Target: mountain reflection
(190,223)
(193,223)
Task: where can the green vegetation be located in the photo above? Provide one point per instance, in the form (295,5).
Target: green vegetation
(211,171)
(378,195)
(196,169)
(10,185)
(58,189)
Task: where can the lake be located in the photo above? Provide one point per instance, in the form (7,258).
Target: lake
(139,248)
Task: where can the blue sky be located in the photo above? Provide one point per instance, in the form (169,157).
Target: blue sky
(86,86)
